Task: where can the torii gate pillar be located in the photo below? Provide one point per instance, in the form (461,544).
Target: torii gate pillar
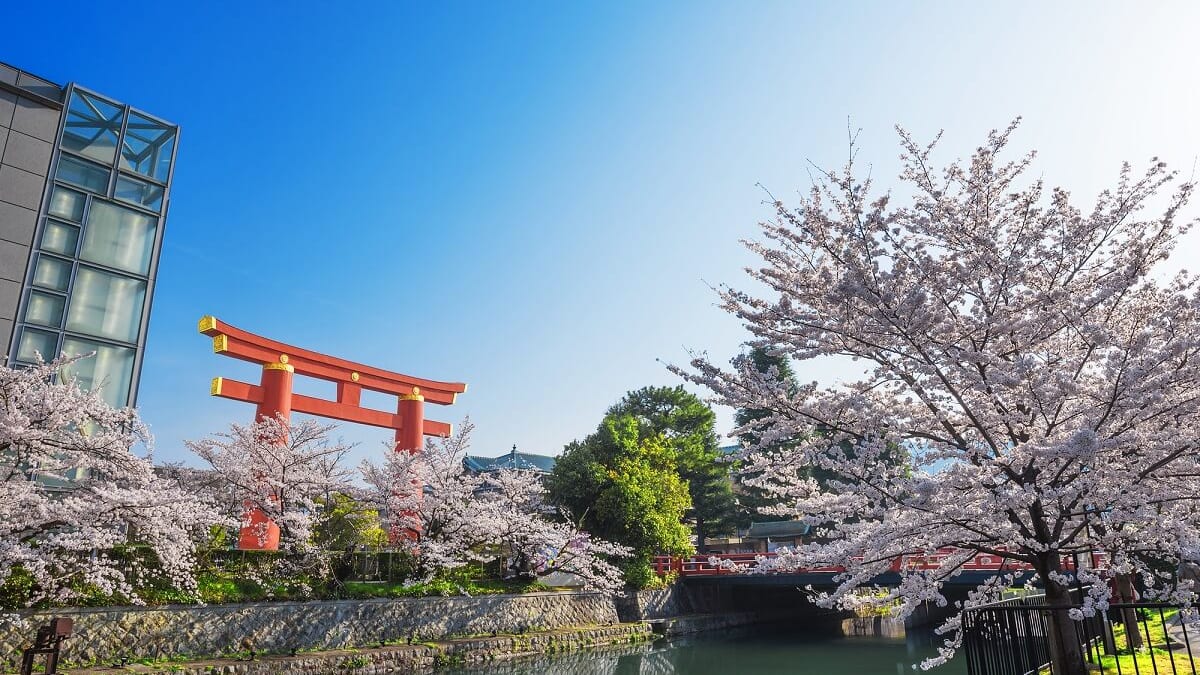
(260,533)
(410,437)
(276,384)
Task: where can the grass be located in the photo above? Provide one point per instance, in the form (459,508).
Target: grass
(870,611)
(1153,656)
(224,588)
(367,589)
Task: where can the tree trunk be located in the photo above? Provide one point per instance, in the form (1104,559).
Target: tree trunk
(700,535)
(1124,594)
(1066,650)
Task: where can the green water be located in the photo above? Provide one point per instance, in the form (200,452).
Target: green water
(757,651)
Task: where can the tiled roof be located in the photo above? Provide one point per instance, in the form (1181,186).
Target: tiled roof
(511,460)
(783,528)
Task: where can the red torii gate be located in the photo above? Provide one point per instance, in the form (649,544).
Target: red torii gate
(273,396)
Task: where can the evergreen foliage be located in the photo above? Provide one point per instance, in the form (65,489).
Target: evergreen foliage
(622,484)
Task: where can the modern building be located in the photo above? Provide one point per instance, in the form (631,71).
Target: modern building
(85,182)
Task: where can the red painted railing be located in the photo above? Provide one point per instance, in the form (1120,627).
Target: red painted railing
(703,565)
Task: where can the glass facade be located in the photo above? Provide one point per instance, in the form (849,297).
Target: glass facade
(148,148)
(88,287)
(84,174)
(93,127)
(110,369)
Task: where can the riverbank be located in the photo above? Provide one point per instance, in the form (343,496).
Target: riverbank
(384,635)
(396,658)
(188,632)
(761,649)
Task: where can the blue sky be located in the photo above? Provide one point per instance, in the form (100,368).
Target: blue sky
(535,198)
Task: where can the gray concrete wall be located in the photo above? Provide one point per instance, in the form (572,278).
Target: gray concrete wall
(676,600)
(107,634)
(27,133)
(657,604)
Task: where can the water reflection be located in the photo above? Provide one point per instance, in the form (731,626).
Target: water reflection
(762,650)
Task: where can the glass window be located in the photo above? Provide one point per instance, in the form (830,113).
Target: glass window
(92,127)
(35,343)
(60,237)
(45,309)
(106,305)
(147,148)
(146,195)
(67,204)
(52,273)
(118,237)
(84,174)
(110,370)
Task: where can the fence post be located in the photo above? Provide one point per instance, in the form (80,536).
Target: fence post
(1110,640)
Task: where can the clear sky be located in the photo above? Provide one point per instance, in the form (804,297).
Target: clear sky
(535,198)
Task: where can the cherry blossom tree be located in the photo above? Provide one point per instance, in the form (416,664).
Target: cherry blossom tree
(278,467)
(1027,355)
(73,491)
(513,507)
(459,517)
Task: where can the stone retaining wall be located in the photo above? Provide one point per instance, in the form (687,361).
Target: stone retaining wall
(407,658)
(105,635)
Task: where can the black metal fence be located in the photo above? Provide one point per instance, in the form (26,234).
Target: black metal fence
(1013,637)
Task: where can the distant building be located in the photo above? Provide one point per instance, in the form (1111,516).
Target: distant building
(766,537)
(760,538)
(512,460)
(85,182)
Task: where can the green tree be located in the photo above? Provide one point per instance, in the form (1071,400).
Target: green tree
(754,501)
(686,424)
(623,485)
(764,361)
(345,523)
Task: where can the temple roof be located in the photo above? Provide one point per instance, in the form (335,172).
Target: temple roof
(783,528)
(510,460)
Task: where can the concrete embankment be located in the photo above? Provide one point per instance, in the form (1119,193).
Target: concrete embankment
(683,609)
(699,623)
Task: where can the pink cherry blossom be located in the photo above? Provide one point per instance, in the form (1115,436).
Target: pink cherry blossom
(465,517)
(73,490)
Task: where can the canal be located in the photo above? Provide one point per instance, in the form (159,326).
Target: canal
(761,650)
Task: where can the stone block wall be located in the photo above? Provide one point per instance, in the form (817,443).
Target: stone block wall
(107,634)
